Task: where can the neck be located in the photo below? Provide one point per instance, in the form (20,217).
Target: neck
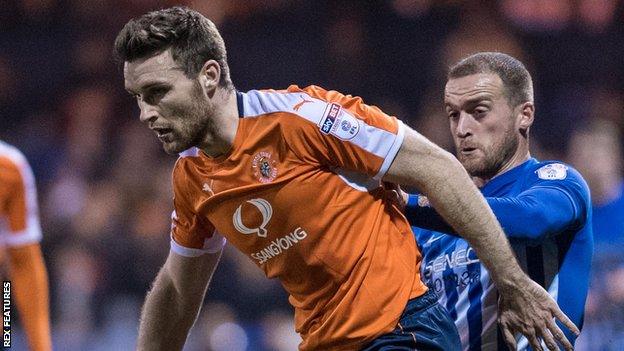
(521,155)
(225,124)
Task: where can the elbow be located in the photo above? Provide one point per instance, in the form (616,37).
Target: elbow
(443,169)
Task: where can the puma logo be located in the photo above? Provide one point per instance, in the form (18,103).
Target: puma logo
(298,106)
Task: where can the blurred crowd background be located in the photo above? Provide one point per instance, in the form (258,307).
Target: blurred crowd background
(104,181)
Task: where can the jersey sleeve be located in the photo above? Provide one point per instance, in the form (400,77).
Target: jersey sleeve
(18,203)
(344,132)
(191,235)
(556,199)
(537,213)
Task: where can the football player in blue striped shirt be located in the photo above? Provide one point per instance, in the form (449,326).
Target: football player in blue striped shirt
(543,206)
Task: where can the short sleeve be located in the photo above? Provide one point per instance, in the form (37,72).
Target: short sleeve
(18,203)
(191,235)
(344,132)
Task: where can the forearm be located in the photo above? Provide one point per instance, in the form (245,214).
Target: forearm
(167,316)
(452,193)
(464,208)
(30,284)
(172,306)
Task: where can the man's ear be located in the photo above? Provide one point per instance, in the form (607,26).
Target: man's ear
(525,117)
(210,76)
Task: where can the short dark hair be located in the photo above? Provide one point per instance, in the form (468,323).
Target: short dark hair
(192,38)
(516,79)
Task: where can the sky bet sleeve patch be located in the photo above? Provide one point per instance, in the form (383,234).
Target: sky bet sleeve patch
(339,122)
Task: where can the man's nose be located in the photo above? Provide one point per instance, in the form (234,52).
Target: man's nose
(148,112)
(464,123)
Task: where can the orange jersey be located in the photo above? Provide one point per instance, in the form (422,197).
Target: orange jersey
(299,193)
(20,233)
(19,218)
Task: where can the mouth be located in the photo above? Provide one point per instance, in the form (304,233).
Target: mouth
(164,134)
(467,150)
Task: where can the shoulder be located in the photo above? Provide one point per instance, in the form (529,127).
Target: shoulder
(11,154)
(13,163)
(185,164)
(296,110)
(554,170)
(290,102)
(558,174)
(331,111)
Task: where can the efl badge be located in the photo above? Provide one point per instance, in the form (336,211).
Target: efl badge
(349,127)
(553,171)
(264,167)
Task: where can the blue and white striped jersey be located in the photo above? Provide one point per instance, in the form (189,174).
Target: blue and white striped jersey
(545,210)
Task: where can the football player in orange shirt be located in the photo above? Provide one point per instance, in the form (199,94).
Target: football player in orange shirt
(292,179)
(20,234)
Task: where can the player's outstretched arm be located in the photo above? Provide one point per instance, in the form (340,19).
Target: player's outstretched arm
(30,283)
(172,306)
(550,210)
(525,307)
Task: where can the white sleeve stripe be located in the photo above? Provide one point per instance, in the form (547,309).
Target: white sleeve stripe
(32,233)
(25,237)
(215,243)
(186,251)
(211,245)
(377,141)
(391,154)
(380,142)
(257,103)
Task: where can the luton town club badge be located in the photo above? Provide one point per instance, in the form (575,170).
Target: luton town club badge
(264,167)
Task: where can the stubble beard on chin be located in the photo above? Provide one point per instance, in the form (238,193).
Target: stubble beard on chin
(494,157)
(196,127)
(197,124)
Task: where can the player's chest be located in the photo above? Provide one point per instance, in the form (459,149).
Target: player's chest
(264,193)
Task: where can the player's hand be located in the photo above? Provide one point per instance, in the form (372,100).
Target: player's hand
(529,310)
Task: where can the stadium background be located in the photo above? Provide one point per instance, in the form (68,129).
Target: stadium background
(104,181)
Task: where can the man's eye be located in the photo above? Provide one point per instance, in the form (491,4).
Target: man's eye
(154,95)
(159,91)
(480,111)
(453,114)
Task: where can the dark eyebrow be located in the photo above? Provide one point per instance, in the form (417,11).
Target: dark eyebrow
(479,98)
(149,86)
(474,100)
(448,105)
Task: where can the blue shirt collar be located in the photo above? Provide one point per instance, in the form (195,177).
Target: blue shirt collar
(512,175)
